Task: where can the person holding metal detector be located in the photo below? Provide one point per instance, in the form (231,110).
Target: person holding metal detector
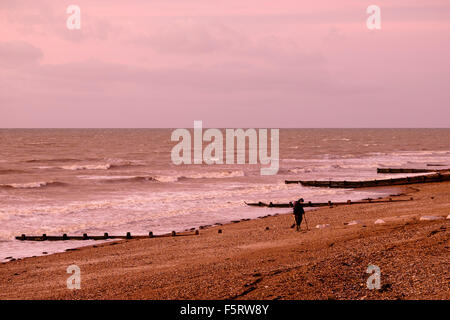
(299,212)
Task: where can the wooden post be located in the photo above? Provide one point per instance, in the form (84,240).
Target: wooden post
(219,231)
(64,236)
(23,237)
(44,236)
(349,201)
(329,203)
(128,235)
(174,233)
(150,234)
(85,236)
(197,233)
(106,235)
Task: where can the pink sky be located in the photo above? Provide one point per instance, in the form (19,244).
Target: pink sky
(233,63)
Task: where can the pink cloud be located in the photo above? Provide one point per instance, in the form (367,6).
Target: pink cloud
(16,54)
(233,63)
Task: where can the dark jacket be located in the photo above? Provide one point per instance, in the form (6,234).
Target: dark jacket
(298,208)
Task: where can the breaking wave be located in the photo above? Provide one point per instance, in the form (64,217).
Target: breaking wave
(52,160)
(112,179)
(87,167)
(32,185)
(202,175)
(95,166)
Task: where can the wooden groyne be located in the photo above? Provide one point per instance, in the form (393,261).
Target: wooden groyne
(404,170)
(323,204)
(438,177)
(105,236)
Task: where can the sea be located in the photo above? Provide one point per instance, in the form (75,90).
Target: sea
(76,181)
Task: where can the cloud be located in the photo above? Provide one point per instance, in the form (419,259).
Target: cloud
(188,36)
(19,54)
(139,63)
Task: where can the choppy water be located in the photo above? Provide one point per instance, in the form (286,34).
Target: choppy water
(93,181)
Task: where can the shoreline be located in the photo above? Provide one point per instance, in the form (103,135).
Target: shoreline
(172,268)
(386,191)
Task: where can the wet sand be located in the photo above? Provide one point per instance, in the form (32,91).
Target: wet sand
(263,258)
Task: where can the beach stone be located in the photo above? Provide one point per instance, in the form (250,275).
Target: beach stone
(448,217)
(380,221)
(322,226)
(430,218)
(354,222)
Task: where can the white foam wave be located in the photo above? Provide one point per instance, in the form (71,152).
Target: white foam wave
(97,166)
(201,175)
(116,178)
(220,174)
(167,178)
(87,167)
(30,185)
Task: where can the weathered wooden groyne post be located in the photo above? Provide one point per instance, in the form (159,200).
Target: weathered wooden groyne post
(437,177)
(105,236)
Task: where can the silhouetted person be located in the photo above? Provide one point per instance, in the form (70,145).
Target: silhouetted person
(298,213)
